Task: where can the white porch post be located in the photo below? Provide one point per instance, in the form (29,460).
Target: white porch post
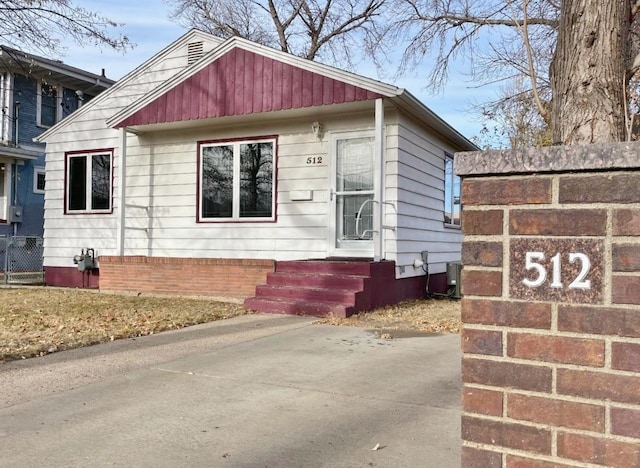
(122,191)
(378,185)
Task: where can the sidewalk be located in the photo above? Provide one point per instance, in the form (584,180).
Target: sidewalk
(252,391)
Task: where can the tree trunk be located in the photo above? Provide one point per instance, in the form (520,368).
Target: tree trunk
(588,72)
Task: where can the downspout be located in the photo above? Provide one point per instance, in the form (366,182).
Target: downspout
(8,103)
(16,115)
(122,191)
(15,195)
(14,201)
(378,156)
(5,107)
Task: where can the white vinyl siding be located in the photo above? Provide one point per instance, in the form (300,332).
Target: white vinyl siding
(416,181)
(162,206)
(64,234)
(162,202)
(170,161)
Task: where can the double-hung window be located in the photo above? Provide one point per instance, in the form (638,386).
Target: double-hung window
(38,180)
(88,181)
(49,110)
(451,193)
(236,180)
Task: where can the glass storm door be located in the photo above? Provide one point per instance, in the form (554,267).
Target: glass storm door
(353,195)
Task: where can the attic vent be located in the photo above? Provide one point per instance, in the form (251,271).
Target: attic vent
(194,52)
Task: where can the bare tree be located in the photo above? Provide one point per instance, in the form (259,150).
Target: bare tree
(313,29)
(486,33)
(589,71)
(586,44)
(40,25)
(512,119)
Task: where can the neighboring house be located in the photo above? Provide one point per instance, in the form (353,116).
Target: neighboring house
(217,162)
(35,94)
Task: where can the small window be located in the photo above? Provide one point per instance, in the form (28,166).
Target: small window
(451,193)
(236,180)
(5,187)
(48,111)
(88,182)
(38,180)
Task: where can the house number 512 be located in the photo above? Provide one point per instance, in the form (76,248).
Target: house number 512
(531,263)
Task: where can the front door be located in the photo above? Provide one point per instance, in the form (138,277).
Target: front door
(352,195)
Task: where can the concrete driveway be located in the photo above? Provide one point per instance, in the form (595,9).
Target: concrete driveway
(252,391)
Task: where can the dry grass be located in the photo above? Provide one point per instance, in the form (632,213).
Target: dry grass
(429,315)
(37,321)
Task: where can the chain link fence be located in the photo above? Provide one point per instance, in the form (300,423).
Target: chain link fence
(21,259)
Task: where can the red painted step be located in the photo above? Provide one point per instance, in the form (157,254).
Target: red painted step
(339,267)
(308,294)
(322,287)
(315,280)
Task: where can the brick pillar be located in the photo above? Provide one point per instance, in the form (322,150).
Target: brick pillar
(551,307)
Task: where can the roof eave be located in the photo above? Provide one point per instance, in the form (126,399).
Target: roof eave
(55,66)
(405,100)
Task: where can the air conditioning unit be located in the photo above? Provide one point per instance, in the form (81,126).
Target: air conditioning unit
(454,279)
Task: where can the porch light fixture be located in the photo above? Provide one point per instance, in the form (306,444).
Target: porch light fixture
(317,129)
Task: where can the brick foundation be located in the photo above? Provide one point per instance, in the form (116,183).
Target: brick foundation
(236,278)
(551,362)
(188,276)
(71,277)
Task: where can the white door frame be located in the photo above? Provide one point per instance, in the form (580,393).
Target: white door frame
(354,248)
(375,247)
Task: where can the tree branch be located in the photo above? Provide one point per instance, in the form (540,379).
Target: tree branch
(532,72)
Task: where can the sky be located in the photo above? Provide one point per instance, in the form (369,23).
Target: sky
(147,24)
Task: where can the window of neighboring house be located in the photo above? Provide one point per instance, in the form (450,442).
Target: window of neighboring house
(48,109)
(451,193)
(38,180)
(236,180)
(5,185)
(88,181)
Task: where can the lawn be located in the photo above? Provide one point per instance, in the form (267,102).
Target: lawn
(429,316)
(39,321)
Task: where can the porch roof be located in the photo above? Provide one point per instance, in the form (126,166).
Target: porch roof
(15,152)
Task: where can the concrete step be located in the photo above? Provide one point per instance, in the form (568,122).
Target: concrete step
(296,307)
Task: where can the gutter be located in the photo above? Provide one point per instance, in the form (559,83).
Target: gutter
(418,109)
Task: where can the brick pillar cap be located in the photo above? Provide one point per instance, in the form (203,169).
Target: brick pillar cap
(623,155)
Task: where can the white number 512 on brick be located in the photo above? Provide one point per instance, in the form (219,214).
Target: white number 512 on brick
(539,277)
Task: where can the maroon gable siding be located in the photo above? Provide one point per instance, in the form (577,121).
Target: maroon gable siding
(242,82)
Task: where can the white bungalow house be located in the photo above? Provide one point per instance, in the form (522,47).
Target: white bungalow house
(226,168)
